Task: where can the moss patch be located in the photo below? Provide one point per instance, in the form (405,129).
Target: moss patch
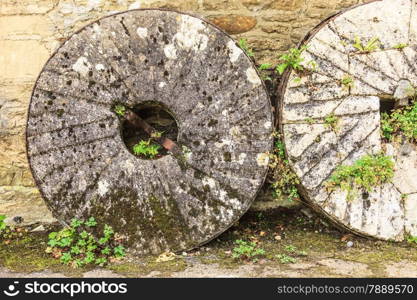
(148,265)
(27,254)
(281,233)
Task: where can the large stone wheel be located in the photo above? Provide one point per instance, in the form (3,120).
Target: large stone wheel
(352,87)
(145,60)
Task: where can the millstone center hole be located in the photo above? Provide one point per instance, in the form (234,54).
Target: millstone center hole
(139,142)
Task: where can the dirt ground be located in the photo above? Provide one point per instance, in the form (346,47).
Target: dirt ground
(296,243)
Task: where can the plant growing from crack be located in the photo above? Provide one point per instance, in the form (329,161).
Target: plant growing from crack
(400,46)
(401,122)
(292,59)
(347,82)
(309,121)
(146,149)
(156,134)
(120,110)
(263,71)
(332,121)
(243,44)
(370,46)
(364,174)
(284,181)
(76,245)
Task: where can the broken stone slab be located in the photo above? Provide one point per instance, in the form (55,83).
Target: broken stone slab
(385,73)
(189,69)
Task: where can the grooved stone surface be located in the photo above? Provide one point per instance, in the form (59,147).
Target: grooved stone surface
(224,118)
(315,150)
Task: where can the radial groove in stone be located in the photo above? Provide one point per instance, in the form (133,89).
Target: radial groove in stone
(224,117)
(315,150)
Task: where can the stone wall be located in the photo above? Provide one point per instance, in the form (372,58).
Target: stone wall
(30,31)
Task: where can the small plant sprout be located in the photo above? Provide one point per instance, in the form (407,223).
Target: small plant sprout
(372,45)
(247,251)
(262,69)
(332,121)
(343,43)
(156,134)
(290,248)
(265,66)
(293,250)
(120,110)
(364,174)
(310,121)
(412,240)
(292,59)
(296,80)
(313,65)
(146,149)
(243,44)
(285,259)
(2,223)
(400,46)
(347,81)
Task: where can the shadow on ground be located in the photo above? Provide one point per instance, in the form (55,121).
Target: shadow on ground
(296,243)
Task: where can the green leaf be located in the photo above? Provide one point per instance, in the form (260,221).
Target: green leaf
(91,222)
(265,66)
(76,223)
(66,258)
(119,251)
(106,251)
(281,68)
(145,148)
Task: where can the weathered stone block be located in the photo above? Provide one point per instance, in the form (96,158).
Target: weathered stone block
(286,4)
(234,24)
(25,27)
(18,7)
(221,4)
(25,202)
(21,60)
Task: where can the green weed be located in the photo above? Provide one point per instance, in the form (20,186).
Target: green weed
(243,44)
(347,82)
(120,110)
(372,45)
(284,181)
(402,121)
(262,69)
(400,46)
(146,149)
(77,246)
(247,251)
(332,122)
(292,59)
(412,240)
(365,173)
(285,259)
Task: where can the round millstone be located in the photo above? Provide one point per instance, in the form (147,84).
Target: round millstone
(207,84)
(341,82)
